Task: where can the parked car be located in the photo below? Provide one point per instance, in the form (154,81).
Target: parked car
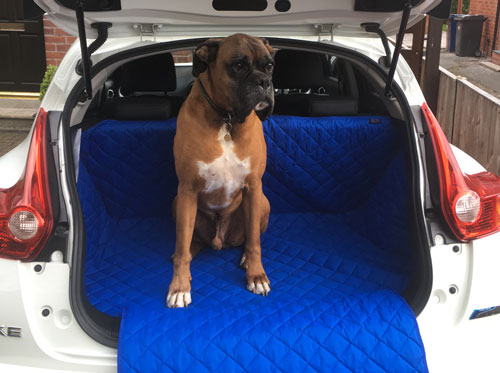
(376,219)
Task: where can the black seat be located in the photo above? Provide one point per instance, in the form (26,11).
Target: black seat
(140,90)
(306,87)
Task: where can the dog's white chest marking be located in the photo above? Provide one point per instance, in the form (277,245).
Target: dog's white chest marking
(226,171)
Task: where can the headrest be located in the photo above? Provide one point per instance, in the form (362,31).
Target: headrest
(141,108)
(298,69)
(314,105)
(149,74)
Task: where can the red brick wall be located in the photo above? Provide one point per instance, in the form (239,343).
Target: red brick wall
(183,56)
(488,9)
(495,57)
(57,43)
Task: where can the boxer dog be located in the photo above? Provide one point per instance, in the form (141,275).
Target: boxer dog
(220,157)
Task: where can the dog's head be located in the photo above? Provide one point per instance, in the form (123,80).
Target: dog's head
(241,70)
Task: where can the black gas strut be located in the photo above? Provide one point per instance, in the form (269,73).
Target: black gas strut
(397,48)
(83,66)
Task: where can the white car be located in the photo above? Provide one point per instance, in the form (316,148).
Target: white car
(377,221)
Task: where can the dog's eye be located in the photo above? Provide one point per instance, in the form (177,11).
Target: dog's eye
(238,66)
(269,66)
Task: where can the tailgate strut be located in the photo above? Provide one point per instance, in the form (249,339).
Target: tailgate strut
(83,66)
(397,48)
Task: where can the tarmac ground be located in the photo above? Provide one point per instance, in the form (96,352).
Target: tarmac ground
(10,139)
(466,67)
(471,69)
(16,118)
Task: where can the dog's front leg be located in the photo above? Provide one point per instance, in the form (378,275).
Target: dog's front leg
(257,281)
(179,293)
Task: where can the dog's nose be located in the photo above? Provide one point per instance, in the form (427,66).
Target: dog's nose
(265,84)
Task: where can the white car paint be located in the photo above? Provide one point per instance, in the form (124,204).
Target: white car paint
(453,342)
(52,342)
(12,164)
(180,16)
(468,165)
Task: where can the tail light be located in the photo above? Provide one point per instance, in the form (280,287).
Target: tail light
(25,208)
(470,203)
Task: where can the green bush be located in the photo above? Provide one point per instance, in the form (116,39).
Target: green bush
(49,74)
(465,6)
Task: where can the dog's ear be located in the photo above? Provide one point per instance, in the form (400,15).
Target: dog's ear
(204,54)
(268,46)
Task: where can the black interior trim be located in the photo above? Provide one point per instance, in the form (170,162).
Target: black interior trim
(31,11)
(93,5)
(239,5)
(282,6)
(104,328)
(54,241)
(383,5)
(442,11)
(433,209)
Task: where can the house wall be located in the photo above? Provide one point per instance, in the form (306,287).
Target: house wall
(488,9)
(495,57)
(57,42)
(183,56)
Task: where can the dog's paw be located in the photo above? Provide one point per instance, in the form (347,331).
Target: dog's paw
(259,285)
(178,299)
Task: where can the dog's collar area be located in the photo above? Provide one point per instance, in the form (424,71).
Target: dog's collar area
(226,115)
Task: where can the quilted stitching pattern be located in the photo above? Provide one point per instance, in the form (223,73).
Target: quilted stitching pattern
(335,254)
(372,333)
(325,164)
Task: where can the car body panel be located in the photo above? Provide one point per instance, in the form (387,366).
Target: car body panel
(12,164)
(55,341)
(201,15)
(452,341)
(467,164)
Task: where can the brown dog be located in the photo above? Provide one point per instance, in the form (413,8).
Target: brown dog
(220,157)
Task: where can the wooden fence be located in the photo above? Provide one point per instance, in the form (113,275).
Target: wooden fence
(470,118)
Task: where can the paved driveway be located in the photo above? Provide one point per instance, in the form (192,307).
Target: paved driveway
(9,139)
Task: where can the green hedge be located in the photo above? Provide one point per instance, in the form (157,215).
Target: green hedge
(465,6)
(49,74)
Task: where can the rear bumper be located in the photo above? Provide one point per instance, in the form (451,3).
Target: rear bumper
(55,341)
(453,341)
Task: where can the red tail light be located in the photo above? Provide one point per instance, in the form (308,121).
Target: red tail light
(25,208)
(470,203)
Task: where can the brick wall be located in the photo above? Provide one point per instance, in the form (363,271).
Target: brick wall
(488,9)
(495,57)
(57,42)
(183,56)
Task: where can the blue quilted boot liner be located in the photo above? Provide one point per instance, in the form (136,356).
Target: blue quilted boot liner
(336,251)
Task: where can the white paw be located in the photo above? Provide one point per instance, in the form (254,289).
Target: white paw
(178,300)
(259,288)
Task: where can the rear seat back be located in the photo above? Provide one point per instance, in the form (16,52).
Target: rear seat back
(141,90)
(310,72)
